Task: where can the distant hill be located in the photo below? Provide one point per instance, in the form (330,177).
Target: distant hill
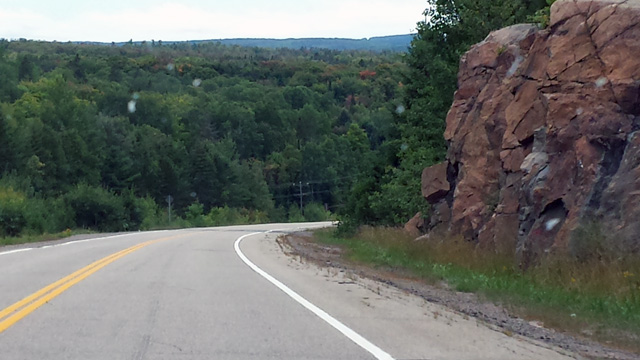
(394,43)
(397,43)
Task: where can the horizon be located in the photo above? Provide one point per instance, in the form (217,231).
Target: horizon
(212,39)
(198,20)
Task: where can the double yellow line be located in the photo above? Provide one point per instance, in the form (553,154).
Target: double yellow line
(24,307)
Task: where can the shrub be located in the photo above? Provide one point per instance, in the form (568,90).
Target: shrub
(316,212)
(542,17)
(347,227)
(194,215)
(49,215)
(97,208)
(257,217)
(278,214)
(12,205)
(226,216)
(152,216)
(132,215)
(295,215)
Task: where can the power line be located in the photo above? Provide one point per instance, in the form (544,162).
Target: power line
(309,182)
(303,194)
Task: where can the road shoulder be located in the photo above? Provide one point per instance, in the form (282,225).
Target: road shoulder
(403,324)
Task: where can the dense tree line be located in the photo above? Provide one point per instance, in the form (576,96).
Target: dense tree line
(99,136)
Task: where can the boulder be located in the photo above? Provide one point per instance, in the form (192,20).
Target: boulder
(434,182)
(415,226)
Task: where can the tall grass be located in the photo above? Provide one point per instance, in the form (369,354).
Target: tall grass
(596,295)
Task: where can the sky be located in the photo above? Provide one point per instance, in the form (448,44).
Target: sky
(122,20)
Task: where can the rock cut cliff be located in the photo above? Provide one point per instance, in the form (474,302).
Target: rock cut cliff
(543,134)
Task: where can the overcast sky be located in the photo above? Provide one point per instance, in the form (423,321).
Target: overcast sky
(121,20)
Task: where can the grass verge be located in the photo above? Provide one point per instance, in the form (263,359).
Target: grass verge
(596,298)
(24,239)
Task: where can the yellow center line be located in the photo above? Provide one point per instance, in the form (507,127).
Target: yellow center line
(32,302)
(50,287)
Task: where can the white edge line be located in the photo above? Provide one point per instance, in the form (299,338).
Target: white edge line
(78,242)
(345,330)
(15,251)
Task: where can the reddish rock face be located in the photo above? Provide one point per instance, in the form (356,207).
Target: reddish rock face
(543,133)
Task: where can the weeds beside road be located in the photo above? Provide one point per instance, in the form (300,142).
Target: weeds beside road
(597,298)
(26,239)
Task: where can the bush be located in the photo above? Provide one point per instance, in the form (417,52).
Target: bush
(257,216)
(152,216)
(295,215)
(132,212)
(195,215)
(226,216)
(542,16)
(50,216)
(97,208)
(278,214)
(316,212)
(12,205)
(347,227)
(21,214)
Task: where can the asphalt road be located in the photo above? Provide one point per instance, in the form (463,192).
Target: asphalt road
(219,293)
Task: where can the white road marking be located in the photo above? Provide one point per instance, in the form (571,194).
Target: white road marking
(15,251)
(78,242)
(345,330)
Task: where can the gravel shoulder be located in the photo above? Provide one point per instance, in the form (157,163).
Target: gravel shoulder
(302,245)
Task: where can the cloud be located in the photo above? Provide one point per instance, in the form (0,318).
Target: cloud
(178,21)
(16,24)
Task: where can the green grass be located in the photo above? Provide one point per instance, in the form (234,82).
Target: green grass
(600,298)
(24,239)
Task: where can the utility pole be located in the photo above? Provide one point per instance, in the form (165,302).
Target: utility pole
(169,201)
(301,209)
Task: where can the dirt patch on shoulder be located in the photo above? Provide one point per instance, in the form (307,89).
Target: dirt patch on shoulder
(498,317)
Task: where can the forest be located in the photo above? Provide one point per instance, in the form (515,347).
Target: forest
(106,137)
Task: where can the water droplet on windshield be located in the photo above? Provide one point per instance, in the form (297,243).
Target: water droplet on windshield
(601,82)
(549,225)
